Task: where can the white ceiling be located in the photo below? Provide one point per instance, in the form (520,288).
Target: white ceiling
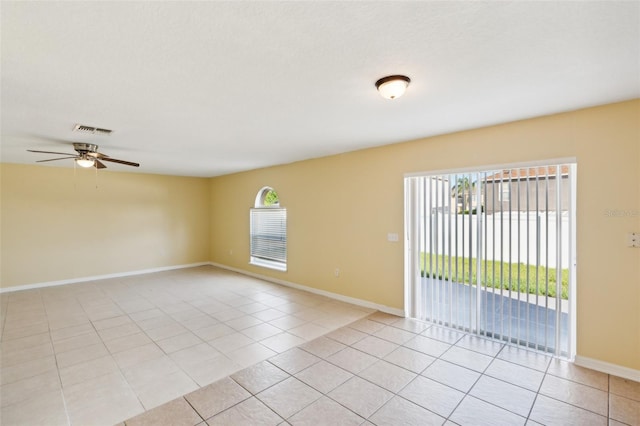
(210,88)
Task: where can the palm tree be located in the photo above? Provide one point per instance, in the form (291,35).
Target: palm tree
(461,192)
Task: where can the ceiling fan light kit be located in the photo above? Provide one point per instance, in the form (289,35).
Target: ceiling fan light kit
(85,162)
(393,86)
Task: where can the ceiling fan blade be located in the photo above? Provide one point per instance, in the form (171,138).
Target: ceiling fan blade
(54,159)
(97,155)
(49,152)
(127,163)
(99,164)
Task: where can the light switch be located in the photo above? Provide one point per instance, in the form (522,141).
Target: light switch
(393,237)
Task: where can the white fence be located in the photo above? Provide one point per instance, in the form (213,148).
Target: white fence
(516,237)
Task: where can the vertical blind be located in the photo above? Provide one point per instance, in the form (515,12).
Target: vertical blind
(269,234)
(491,252)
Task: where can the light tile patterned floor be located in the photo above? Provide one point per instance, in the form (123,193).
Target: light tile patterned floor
(203,346)
(100,352)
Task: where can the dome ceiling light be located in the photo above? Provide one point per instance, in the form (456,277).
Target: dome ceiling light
(393,86)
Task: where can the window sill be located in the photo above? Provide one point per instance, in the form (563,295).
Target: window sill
(268,264)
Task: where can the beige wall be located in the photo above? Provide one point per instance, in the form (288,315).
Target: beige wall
(340,209)
(55,226)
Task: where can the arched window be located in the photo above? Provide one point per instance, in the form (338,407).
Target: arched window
(267,197)
(268,231)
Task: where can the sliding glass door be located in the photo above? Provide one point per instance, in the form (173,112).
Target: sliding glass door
(492,252)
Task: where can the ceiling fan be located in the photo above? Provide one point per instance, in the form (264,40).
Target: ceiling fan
(88,156)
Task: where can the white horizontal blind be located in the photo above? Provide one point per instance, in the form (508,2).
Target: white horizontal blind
(269,234)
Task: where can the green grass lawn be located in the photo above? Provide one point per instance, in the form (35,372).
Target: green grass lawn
(496,274)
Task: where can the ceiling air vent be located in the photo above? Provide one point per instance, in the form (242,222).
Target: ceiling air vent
(90,129)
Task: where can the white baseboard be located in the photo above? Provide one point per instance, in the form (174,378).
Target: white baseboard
(99,277)
(594,364)
(608,368)
(336,296)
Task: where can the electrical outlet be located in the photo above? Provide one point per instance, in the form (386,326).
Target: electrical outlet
(633,239)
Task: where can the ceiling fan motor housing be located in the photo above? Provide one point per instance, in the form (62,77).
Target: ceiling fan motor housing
(84,148)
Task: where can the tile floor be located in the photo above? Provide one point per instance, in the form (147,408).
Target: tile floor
(208,347)
(100,352)
(385,370)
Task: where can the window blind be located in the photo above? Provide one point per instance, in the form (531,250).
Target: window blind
(269,234)
(492,252)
